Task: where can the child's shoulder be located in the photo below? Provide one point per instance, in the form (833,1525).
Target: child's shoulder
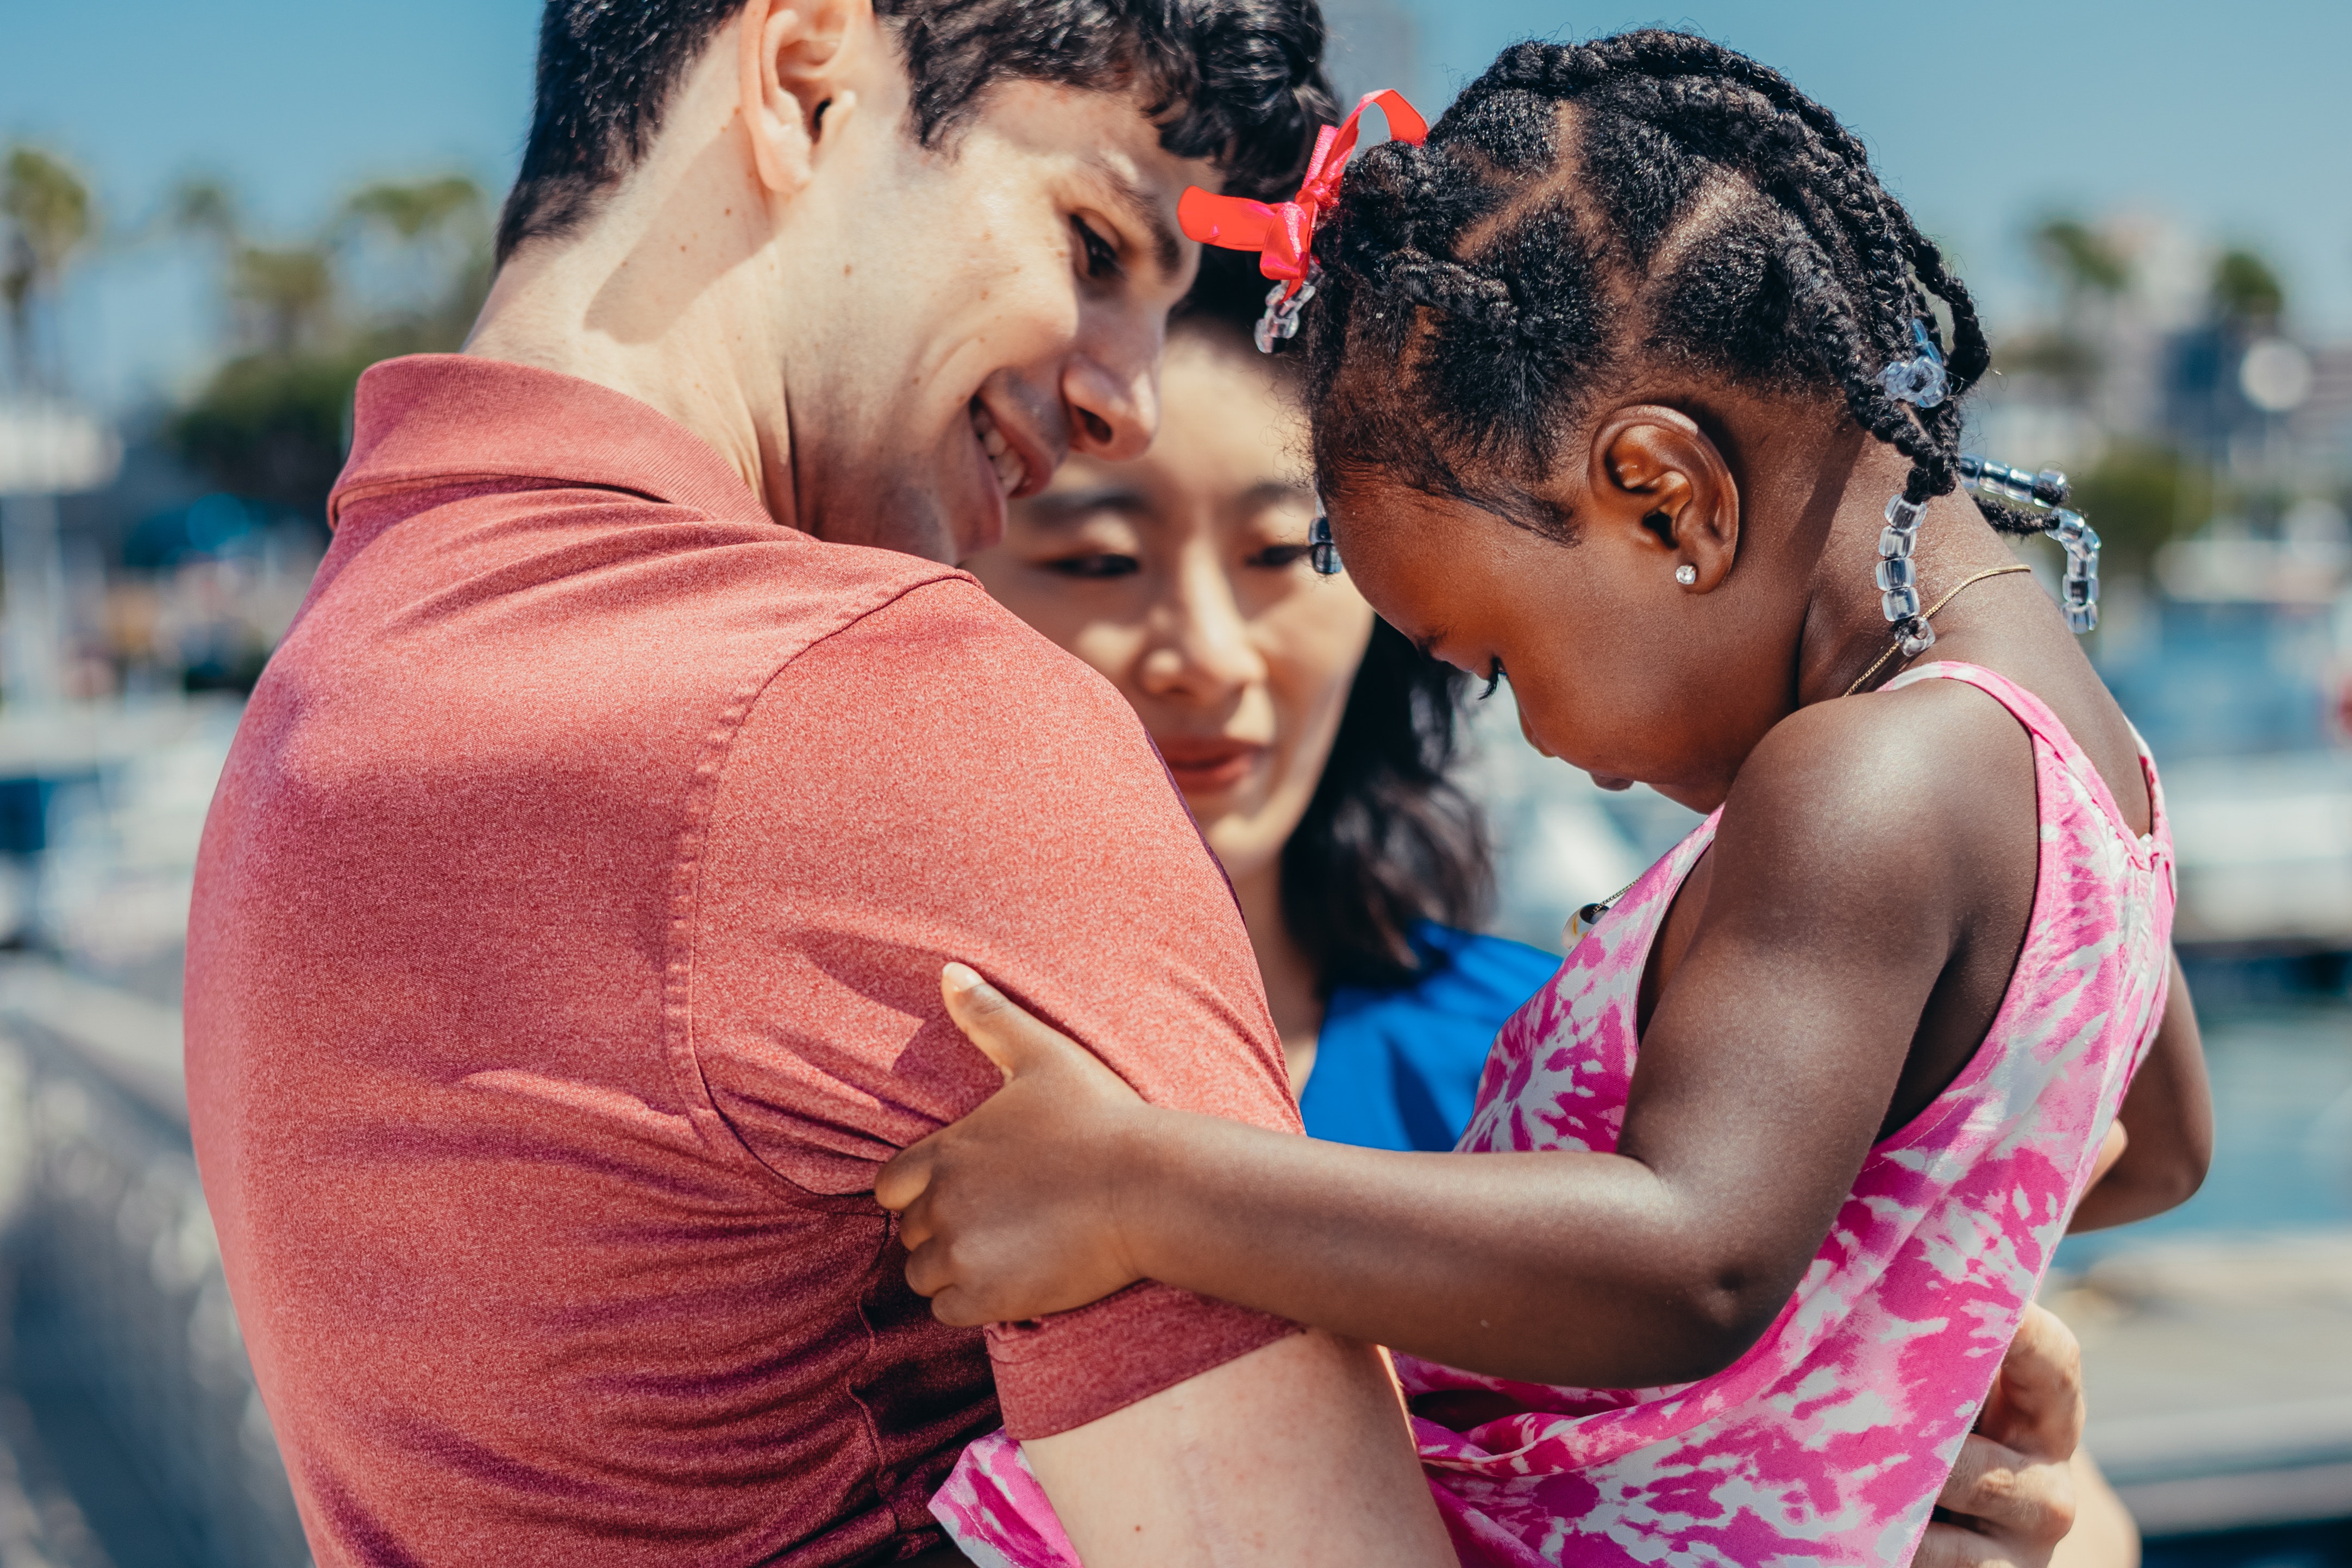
(1883,797)
(1886,754)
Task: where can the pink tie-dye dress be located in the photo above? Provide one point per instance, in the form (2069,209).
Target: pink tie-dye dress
(1830,1439)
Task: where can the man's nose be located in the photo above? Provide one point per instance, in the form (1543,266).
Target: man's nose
(1114,402)
(1201,646)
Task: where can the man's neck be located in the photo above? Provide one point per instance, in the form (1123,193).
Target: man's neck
(633,305)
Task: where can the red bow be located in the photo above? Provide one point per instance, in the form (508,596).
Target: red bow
(1284,233)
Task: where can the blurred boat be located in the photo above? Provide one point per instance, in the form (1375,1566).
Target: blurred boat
(2265,851)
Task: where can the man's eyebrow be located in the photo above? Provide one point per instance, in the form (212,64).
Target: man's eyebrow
(1142,209)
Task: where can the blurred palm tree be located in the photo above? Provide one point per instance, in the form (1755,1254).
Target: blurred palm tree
(289,294)
(2247,294)
(271,422)
(2084,259)
(50,218)
(2091,273)
(439,231)
(419,209)
(283,295)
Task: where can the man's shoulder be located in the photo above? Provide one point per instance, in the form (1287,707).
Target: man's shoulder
(954,617)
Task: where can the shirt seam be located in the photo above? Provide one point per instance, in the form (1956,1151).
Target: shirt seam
(686,907)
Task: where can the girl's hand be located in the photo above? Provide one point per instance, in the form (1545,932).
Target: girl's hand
(1011,1213)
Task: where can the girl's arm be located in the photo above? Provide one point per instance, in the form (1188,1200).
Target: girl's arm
(2167,1124)
(1765,1072)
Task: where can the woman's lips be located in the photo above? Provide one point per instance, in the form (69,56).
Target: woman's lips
(1206,766)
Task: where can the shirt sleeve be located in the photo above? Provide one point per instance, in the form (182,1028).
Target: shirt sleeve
(936,781)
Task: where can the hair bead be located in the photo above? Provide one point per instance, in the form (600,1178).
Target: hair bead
(1920,380)
(2079,593)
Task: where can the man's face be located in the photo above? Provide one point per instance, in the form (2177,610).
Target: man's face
(996,305)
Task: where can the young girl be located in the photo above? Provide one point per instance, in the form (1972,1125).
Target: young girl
(1624,382)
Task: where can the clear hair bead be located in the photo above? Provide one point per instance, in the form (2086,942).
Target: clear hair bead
(1281,319)
(2049,491)
(1920,380)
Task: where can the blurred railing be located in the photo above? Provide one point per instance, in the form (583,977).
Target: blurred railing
(122,1306)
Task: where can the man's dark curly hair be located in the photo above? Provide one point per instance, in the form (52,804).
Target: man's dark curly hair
(1649,195)
(1238,82)
(1387,840)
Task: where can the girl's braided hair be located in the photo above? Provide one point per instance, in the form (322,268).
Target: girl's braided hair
(1649,193)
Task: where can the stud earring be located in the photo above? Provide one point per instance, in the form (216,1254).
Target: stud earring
(1686,574)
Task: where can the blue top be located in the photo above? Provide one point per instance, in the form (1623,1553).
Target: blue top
(1398,1069)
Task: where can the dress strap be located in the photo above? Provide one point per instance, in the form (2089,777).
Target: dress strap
(2036,715)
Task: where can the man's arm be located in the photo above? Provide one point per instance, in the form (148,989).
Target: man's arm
(1296,1454)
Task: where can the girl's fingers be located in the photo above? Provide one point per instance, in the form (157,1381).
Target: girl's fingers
(1009,1035)
(991,1021)
(904,1175)
(927,1273)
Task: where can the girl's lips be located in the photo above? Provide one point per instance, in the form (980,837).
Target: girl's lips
(1206,766)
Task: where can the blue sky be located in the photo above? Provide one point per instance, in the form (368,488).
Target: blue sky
(2231,120)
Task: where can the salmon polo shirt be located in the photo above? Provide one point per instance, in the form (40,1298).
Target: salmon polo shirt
(564,961)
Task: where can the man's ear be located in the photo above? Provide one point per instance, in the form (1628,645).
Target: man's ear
(1656,475)
(795,61)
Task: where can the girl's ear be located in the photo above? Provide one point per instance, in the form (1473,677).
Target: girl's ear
(1654,472)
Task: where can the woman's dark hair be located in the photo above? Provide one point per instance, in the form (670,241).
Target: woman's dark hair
(1388,841)
(1239,81)
(1652,193)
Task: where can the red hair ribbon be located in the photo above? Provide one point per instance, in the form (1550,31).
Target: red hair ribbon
(1284,233)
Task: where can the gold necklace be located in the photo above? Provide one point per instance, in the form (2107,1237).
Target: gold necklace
(1896,646)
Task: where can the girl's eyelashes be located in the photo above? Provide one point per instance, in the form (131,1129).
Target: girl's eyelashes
(1098,565)
(1493,679)
(1102,255)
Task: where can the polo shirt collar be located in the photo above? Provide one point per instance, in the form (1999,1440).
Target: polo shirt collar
(436,419)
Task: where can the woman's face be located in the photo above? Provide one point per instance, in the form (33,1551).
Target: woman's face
(1183,578)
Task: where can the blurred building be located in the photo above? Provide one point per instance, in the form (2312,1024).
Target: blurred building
(2210,442)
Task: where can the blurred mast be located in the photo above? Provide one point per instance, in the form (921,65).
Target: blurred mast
(47,449)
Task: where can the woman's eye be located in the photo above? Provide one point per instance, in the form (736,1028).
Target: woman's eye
(1493,679)
(1092,566)
(1102,255)
(1278,557)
